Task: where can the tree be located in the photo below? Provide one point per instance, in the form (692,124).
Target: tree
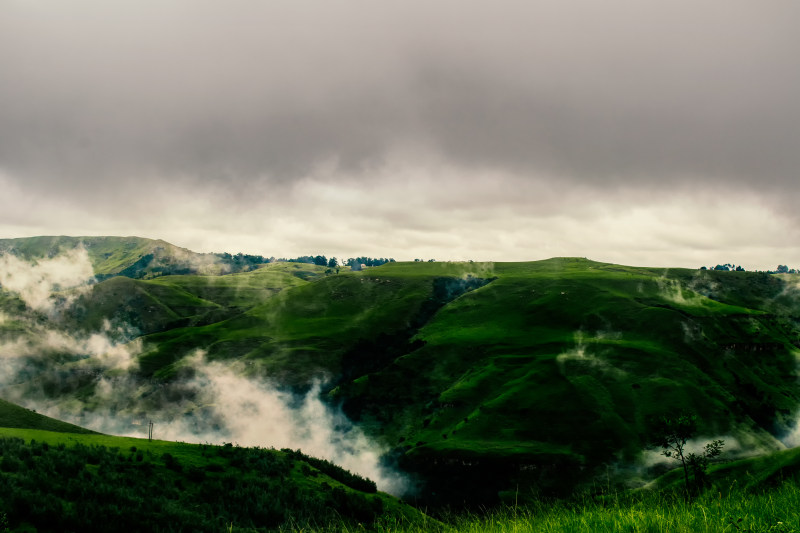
(672,434)
(783,269)
(333,263)
(698,462)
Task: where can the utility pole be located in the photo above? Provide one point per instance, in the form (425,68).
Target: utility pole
(150,431)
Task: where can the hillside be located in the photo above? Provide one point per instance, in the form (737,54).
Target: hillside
(14,416)
(61,481)
(134,257)
(474,378)
(521,370)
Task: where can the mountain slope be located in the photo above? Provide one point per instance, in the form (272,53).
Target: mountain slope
(512,372)
(479,377)
(558,366)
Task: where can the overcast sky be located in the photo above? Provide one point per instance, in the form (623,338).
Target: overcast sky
(663,133)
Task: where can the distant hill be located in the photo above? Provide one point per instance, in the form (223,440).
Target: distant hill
(177,301)
(134,257)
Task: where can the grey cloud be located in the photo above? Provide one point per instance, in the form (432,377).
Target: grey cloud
(617,92)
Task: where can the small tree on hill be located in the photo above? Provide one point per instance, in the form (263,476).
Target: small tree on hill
(698,462)
(672,434)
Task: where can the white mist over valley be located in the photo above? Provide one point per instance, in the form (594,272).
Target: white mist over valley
(210,402)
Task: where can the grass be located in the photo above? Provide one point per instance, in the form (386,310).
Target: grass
(246,289)
(734,510)
(773,510)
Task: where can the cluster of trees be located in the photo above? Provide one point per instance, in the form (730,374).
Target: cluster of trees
(321,260)
(727,267)
(242,262)
(672,434)
(89,488)
(369,261)
(730,267)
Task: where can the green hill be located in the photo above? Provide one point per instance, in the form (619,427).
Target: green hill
(51,469)
(134,257)
(484,377)
(515,371)
(59,481)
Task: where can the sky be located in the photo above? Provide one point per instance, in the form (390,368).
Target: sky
(663,133)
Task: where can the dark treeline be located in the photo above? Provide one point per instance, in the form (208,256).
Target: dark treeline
(369,261)
(333,262)
(242,262)
(345,477)
(93,488)
(730,267)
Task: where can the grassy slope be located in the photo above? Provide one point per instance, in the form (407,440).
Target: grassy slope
(243,290)
(553,365)
(112,255)
(304,478)
(302,331)
(171,302)
(563,362)
(14,416)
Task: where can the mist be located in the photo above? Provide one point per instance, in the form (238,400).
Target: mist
(46,283)
(45,367)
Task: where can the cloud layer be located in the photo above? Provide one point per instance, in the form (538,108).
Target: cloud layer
(259,120)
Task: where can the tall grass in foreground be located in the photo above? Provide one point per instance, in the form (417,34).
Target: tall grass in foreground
(776,510)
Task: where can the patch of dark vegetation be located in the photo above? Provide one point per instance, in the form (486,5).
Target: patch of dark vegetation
(456,480)
(345,477)
(93,488)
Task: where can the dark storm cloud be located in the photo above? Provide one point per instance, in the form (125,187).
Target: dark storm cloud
(617,92)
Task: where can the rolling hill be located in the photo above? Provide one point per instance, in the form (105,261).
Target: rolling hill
(478,377)
(55,476)
(514,372)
